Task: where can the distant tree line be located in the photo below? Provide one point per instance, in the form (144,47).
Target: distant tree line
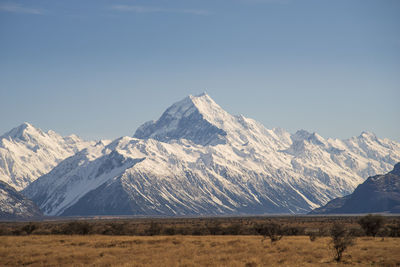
(271,228)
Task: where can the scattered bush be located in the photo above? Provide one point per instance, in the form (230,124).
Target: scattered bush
(29,228)
(313,236)
(271,230)
(394,230)
(233,229)
(18,232)
(154,229)
(292,230)
(214,228)
(5,231)
(77,228)
(371,224)
(341,240)
(113,229)
(169,231)
(324,231)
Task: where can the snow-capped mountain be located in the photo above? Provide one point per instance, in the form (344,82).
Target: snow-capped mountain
(27,152)
(199,159)
(13,205)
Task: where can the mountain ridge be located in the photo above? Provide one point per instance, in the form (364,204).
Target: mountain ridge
(237,167)
(27,152)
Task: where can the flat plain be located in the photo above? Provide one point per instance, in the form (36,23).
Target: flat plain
(178,250)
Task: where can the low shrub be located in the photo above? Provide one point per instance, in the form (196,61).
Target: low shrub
(76,228)
(341,240)
(371,224)
(29,228)
(271,230)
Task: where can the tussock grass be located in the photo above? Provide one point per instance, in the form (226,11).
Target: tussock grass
(100,250)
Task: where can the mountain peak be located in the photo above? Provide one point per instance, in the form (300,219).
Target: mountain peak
(301,135)
(210,110)
(195,118)
(202,95)
(203,103)
(367,135)
(202,98)
(21,131)
(181,108)
(24,126)
(27,152)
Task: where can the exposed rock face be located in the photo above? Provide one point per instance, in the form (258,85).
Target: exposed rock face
(379,193)
(14,205)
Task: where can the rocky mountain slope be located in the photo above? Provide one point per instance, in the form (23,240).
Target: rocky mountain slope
(14,205)
(379,193)
(27,152)
(199,159)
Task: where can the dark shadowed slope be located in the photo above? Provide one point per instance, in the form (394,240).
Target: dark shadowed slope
(380,193)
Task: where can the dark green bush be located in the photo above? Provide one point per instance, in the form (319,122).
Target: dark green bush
(293,230)
(154,229)
(76,228)
(169,231)
(313,235)
(394,230)
(214,228)
(29,228)
(271,230)
(341,240)
(371,224)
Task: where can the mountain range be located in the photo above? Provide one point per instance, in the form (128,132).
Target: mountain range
(196,159)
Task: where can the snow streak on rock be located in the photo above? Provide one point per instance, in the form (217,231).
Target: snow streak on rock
(14,205)
(198,159)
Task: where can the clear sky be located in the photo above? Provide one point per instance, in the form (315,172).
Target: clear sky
(100,68)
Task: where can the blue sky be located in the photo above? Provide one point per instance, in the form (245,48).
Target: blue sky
(100,68)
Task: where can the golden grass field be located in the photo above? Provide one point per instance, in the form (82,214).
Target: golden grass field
(97,250)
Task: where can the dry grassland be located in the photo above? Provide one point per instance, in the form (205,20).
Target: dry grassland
(99,250)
